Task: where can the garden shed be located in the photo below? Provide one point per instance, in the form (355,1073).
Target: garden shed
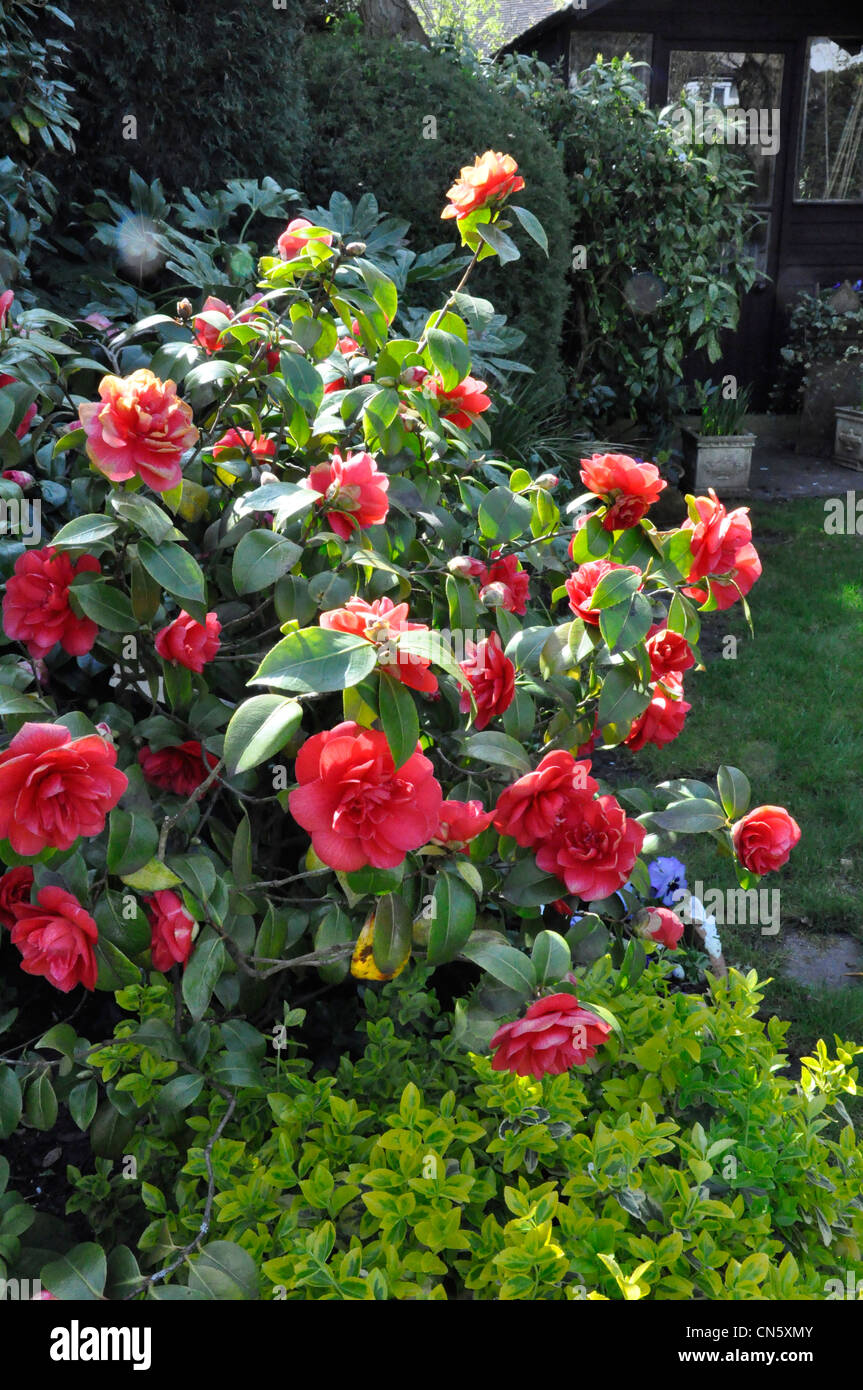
(791,81)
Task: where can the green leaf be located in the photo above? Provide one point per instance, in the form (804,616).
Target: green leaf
(303,381)
(132,842)
(399,718)
(528,886)
(449,356)
(79,1276)
(105,605)
(620,701)
(40,1103)
(614,587)
(551,957)
(511,967)
(504,515)
(115,969)
(178,1094)
(61,1038)
(633,963)
(392,934)
(499,749)
(82,1103)
(432,646)
(178,573)
(259,728)
(505,248)
(316,659)
(202,973)
(531,224)
(734,791)
(691,816)
(453,916)
(260,559)
(84,531)
(143,513)
(224,1271)
(11,1101)
(122,921)
(591,541)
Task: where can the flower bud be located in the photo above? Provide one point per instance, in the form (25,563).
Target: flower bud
(493,595)
(461,565)
(547,481)
(266,476)
(355,248)
(184,309)
(18,475)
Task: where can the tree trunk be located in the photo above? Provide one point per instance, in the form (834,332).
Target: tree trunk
(391,19)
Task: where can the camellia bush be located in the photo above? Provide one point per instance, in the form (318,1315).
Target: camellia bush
(301,688)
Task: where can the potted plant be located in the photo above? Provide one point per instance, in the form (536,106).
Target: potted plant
(848,440)
(719,454)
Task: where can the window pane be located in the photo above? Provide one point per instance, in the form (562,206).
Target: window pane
(585,45)
(736,97)
(830,168)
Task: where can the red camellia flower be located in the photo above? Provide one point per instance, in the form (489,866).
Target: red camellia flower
(663,926)
(7,298)
(764,838)
(492,678)
(592,848)
(489,180)
(353,492)
(721,544)
(57,938)
(259,448)
(461,822)
(19,476)
(30,412)
(357,808)
(293,240)
(140,429)
(581,584)
(36,607)
(206,334)
(188,643)
(555,1034)
(54,788)
(171,930)
(15,888)
(530,809)
(378,622)
(669,652)
(664,717)
(629,487)
(512,579)
(462,404)
(180,768)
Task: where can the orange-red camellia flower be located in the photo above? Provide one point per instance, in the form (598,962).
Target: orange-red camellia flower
(628,486)
(669,652)
(592,847)
(461,822)
(171,929)
(764,838)
(57,938)
(353,492)
(179,768)
(15,888)
(492,679)
(581,584)
(664,926)
(188,643)
(462,404)
(295,236)
(357,808)
(206,334)
(140,429)
(514,583)
(36,607)
(490,179)
(530,809)
(721,544)
(259,448)
(555,1034)
(54,787)
(664,717)
(377,622)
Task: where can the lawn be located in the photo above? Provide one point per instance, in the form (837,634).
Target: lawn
(788,710)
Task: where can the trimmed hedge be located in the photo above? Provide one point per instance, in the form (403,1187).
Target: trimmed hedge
(216,90)
(371,102)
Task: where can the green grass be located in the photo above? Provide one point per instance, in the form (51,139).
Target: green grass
(788,710)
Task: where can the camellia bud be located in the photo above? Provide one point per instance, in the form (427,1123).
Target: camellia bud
(460,564)
(266,476)
(18,475)
(355,248)
(493,595)
(184,309)
(547,481)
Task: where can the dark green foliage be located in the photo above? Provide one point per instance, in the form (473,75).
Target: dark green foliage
(215,90)
(370,101)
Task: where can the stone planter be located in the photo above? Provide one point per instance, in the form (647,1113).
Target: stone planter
(848,443)
(718,461)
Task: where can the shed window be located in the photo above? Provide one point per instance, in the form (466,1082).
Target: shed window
(584,46)
(830,164)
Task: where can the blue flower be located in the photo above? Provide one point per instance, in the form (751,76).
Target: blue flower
(667,879)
